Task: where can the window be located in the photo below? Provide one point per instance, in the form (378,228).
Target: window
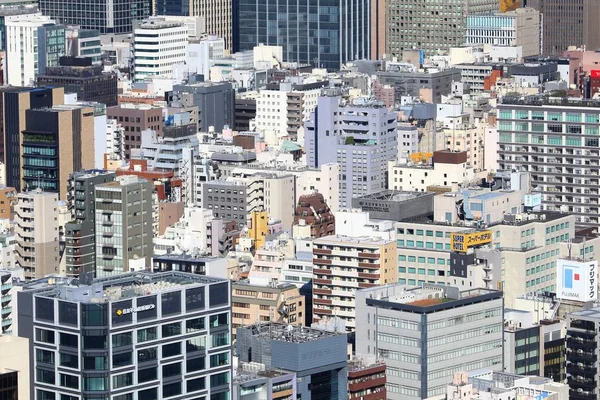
(219,320)
(194,325)
(171,329)
(95,384)
(146,355)
(44,356)
(121,360)
(95,363)
(195,364)
(171,389)
(69,360)
(144,335)
(147,375)
(43,335)
(171,370)
(45,376)
(120,381)
(220,339)
(68,340)
(196,384)
(170,350)
(218,360)
(219,379)
(122,339)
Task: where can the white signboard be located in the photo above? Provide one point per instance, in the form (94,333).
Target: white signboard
(577,280)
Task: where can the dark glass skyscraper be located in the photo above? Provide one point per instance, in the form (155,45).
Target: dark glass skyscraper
(172,7)
(324,33)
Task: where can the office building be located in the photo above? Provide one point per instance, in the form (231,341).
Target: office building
(523,344)
(80,232)
(345,134)
(408,81)
(253,303)
(273,384)
(107,17)
(77,75)
(200,55)
(191,263)
(582,354)
(366,380)
(123,225)
(557,142)
(36,227)
(144,335)
(318,358)
(219,23)
(427,334)
(521,27)
(215,102)
(414,24)
(344,265)
(14,103)
(135,118)
(46,42)
(392,205)
(84,43)
(14,368)
(158,46)
(308,33)
(55,144)
(568,23)
(14,11)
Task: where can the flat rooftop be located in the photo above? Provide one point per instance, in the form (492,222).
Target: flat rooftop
(362,240)
(124,286)
(540,100)
(593,313)
(394,195)
(289,333)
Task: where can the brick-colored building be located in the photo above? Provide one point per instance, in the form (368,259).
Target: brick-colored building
(366,381)
(314,212)
(136,118)
(8,200)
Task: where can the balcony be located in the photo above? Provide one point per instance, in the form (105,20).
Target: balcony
(581,370)
(581,357)
(581,395)
(583,324)
(581,344)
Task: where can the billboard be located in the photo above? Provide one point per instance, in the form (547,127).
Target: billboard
(509,5)
(462,241)
(595,73)
(533,200)
(577,280)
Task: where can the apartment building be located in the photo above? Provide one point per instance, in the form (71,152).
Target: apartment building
(143,335)
(342,266)
(520,27)
(314,212)
(8,200)
(14,367)
(582,354)
(556,140)
(135,118)
(80,232)
(36,228)
(262,303)
(426,334)
(447,168)
(9,276)
(158,46)
(123,234)
(345,134)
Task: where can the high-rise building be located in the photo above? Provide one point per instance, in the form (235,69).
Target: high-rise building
(32,44)
(342,266)
(325,33)
(172,7)
(158,46)
(77,75)
(14,102)
(568,23)
(317,357)
(36,227)
(521,27)
(582,354)
(220,21)
(215,101)
(123,225)
(8,298)
(135,118)
(556,140)
(107,17)
(432,27)
(80,232)
(426,334)
(13,12)
(55,144)
(362,139)
(140,336)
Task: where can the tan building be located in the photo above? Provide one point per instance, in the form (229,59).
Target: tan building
(253,304)
(8,199)
(135,118)
(36,250)
(217,19)
(344,264)
(378,29)
(59,139)
(14,367)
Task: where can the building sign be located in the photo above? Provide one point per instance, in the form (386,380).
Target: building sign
(462,241)
(577,280)
(533,200)
(132,310)
(595,73)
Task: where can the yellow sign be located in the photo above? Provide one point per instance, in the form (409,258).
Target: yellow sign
(462,241)
(509,5)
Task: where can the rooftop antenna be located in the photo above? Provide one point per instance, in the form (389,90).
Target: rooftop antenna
(570,247)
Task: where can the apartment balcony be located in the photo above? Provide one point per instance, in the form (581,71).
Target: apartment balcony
(581,357)
(581,395)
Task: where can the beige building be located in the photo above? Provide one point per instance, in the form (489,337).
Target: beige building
(447,169)
(14,367)
(217,18)
(254,303)
(345,264)
(470,139)
(36,229)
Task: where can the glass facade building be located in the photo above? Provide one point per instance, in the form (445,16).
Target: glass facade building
(114,16)
(324,33)
(143,336)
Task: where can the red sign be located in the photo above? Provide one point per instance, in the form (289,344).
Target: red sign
(595,73)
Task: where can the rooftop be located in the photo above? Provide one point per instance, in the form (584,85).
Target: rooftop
(540,100)
(395,195)
(125,286)
(289,333)
(362,240)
